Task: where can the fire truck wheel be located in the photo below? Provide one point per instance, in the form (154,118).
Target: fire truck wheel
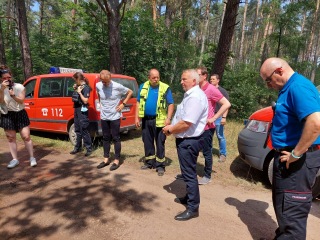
(72,135)
(270,170)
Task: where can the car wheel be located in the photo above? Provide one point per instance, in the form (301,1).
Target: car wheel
(72,135)
(270,170)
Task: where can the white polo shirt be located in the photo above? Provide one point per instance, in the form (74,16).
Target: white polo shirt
(194,109)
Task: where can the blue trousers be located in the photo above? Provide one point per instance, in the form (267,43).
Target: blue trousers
(292,194)
(221,138)
(207,151)
(81,123)
(188,151)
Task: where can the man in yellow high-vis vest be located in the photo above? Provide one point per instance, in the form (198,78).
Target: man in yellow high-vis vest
(155,108)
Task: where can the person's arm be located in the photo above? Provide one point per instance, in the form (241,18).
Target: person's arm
(3,87)
(310,133)
(128,96)
(181,126)
(20,98)
(137,118)
(83,98)
(224,118)
(169,114)
(225,105)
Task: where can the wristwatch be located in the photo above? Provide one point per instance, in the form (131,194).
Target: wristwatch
(168,131)
(169,118)
(124,104)
(12,95)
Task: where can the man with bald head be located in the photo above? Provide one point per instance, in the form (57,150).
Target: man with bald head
(155,108)
(295,139)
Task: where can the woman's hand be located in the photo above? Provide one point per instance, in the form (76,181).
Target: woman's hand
(5,84)
(79,89)
(11,92)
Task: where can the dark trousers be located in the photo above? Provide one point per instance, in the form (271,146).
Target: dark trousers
(151,133)
(188,151)
(292,194)
(81,123)
(207,151)
(111,128)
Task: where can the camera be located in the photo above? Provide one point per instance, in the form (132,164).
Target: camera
(10,84)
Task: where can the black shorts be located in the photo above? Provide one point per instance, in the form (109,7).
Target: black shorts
(14,120)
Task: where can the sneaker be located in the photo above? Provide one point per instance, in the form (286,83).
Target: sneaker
(179,176)
(13,163)
(204,181)
(222,158)
(33,162)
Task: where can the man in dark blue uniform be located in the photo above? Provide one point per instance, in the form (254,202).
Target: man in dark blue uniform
(295,138)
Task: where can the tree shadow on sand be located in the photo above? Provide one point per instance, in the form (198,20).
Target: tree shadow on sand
(72,192)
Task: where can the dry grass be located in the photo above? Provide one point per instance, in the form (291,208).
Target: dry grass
(233,172)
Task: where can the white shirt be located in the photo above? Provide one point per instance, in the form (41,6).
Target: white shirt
(194,109)
(109,98)
(10,103)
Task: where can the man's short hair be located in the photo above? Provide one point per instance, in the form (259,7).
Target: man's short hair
(203,70)
(216,75)
(193,74)
(106,74)
(152,70)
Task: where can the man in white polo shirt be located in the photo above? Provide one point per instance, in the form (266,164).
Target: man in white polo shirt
(188,126)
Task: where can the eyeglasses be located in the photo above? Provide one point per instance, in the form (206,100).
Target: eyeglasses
(7,78)
(268,79)
(4,71)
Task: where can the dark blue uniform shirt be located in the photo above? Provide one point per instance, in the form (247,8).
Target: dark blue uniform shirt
(298,99)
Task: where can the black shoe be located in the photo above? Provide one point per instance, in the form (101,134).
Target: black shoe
(160,172)
(179,176)
(114,166)
(103,164)
(88,153)
(186,215)
(144,167)
(182,200)
(74,151)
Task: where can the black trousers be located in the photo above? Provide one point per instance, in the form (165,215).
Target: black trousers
(151,133)
(81,123)
(292,194)
(188,151)
(111,128)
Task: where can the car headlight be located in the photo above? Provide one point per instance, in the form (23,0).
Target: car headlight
(258,126)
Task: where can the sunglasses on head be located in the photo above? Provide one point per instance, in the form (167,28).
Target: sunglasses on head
(4,71)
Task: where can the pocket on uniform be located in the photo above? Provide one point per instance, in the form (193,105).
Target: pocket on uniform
(84,123)
(313,159)
(296,204)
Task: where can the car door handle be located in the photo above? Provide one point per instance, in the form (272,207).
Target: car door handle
(31,103)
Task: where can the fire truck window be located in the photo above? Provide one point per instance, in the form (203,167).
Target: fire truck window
(131,84)
(51,87)
(30,88)
(69,87)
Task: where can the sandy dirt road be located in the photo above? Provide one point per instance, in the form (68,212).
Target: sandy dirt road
(67,197)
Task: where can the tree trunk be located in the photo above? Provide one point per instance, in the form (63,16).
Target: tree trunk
(154,10)
(198,24)
(254,26)
(223,13)
(24,39)
(132,3)
(41,15)
(266,30)
(225,38)
(313,29)
(315,60)
(243,31)
(8,20)
(205,31)
(2,52)
(73,17)
(303,23)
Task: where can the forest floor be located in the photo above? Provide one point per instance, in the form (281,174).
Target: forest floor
(67,197)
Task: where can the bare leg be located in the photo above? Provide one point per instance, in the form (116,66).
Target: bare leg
(106,160)
(11,136)
(25,135)
(116,161)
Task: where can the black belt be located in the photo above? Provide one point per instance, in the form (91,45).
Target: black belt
(289,149)
(149,117)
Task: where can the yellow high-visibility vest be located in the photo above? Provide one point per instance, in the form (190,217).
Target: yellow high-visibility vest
(161,112)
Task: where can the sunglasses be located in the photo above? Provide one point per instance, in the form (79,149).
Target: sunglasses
(268,79)
(7,78)
(4,71)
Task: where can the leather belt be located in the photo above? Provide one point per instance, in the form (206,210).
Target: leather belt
(149,117)
(289,149)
